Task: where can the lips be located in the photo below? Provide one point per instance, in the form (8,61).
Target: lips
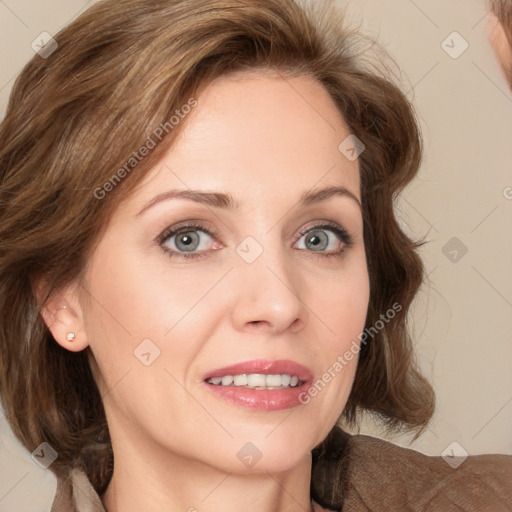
(261,399)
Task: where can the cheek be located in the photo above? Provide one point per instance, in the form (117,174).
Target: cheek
(137,298)
(343,303)
(343,298)
(143,313)
(346,307)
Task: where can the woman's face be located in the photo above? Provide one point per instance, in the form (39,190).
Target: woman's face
(276,283)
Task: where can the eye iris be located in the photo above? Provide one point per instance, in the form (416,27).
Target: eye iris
(318,239)
(187,241)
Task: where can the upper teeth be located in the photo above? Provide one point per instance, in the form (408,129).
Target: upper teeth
(256,380)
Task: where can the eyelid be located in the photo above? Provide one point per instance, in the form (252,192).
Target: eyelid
(189,225)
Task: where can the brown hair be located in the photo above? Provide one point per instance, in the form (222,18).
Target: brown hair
(120,71)
(502,9)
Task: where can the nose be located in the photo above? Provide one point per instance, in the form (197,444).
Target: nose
(269,297)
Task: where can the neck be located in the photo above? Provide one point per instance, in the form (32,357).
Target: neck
(155,480)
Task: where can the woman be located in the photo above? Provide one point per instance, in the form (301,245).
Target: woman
(201,269)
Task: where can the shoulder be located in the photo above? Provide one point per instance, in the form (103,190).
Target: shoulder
(361,472)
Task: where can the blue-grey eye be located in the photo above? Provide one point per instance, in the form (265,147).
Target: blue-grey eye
(318,239)
(324,239)
(188,241)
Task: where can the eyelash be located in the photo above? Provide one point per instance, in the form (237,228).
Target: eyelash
(341,233)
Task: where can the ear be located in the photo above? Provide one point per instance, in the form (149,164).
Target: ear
(63,315)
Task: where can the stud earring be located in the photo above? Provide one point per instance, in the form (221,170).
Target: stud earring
(70,336)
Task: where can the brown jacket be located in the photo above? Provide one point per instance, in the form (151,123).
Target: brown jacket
(364,473)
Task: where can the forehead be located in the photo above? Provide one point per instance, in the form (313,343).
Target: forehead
(259,134)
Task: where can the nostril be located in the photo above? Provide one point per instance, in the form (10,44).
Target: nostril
(260,325)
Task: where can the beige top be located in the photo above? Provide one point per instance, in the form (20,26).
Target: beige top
(366,473)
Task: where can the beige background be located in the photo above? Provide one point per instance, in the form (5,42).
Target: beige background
(463,317)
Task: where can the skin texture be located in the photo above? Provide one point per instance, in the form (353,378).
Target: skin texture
(500,45)
(266,141)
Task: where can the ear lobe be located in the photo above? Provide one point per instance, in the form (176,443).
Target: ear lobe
(63,315)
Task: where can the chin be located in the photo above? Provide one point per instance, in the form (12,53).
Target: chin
(259,452)
(281,448)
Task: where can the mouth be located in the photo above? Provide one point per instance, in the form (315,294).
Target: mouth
(260,384)
(257,381)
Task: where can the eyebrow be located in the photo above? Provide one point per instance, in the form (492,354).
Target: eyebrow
(226,201)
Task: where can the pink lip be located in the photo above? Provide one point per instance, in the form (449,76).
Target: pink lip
(263,399)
